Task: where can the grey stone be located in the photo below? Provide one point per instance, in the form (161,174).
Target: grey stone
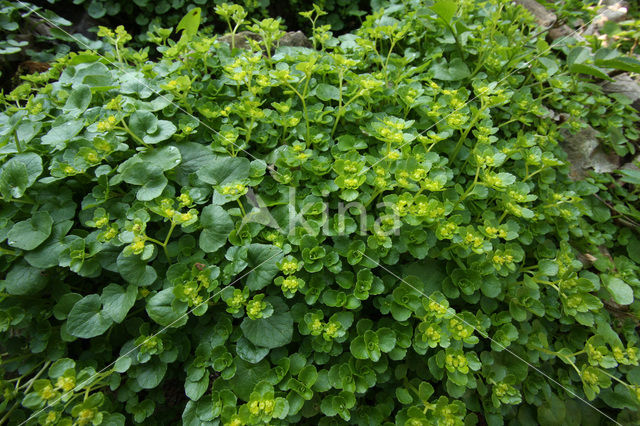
(584,154)
(625,85)
(542,15)
(548,19)
(295,38)
(241,39)
(613,10)
(632,165)
(291,38)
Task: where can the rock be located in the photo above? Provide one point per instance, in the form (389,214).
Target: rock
(291,38)
(625,85)
(615,11)
(545,18)
(542,15)
(603,162)
(584,153)
(632,165)
(241,39)
(583,149)
(564,31)
(295,38)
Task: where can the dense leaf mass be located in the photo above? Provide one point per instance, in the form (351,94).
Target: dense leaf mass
(377,230)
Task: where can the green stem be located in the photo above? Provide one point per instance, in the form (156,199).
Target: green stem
(386,62)
(463,136)
(185,102)
(333,130)
(9,252)
(7,416)
(615,378)
(153,240)
(133,135)
(549,283)
(342,109)
(455,36)
(17,358)
(470,189)
(118,52)
(166,240)
(409,386)
(244,213)
(507,122)
(14,200)
(532,174)
(73,398)
(304,106)
(304,110)
(18,147)
(249,130)
(373,197)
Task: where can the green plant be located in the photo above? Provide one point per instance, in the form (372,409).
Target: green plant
(9,24)
(147,15)
(380,230)
(624,35)
(620,34)
(573,12)
(29,32)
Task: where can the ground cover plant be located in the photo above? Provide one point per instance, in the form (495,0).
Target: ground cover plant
(33,34)
(29,33)
(380,229)
(341,14)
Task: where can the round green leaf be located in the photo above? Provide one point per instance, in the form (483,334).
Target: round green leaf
(135,270)
(249,352)
(271,332)
(32,232)
(150,375)
(262,259)
(143,122)
(78,101)
(24,280)
(160,309)
(117,300)
(225,170)
(217,225)
(165,129)
(327,92)
(622,293)
(87,319)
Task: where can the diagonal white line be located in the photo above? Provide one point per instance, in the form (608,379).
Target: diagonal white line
(528,63)
(87,381)
(121,68)
(483,334)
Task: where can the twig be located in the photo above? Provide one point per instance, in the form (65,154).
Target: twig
(627,220)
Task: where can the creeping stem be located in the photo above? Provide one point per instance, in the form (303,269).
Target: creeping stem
(18,147)
(304,110)
(244,213)
(133,135)
(463,136)
(164,243)
(29,384)
(343,108)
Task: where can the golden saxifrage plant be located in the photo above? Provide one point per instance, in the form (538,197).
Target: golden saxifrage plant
(377,230)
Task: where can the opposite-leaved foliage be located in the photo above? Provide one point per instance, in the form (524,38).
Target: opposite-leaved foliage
(379,230)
